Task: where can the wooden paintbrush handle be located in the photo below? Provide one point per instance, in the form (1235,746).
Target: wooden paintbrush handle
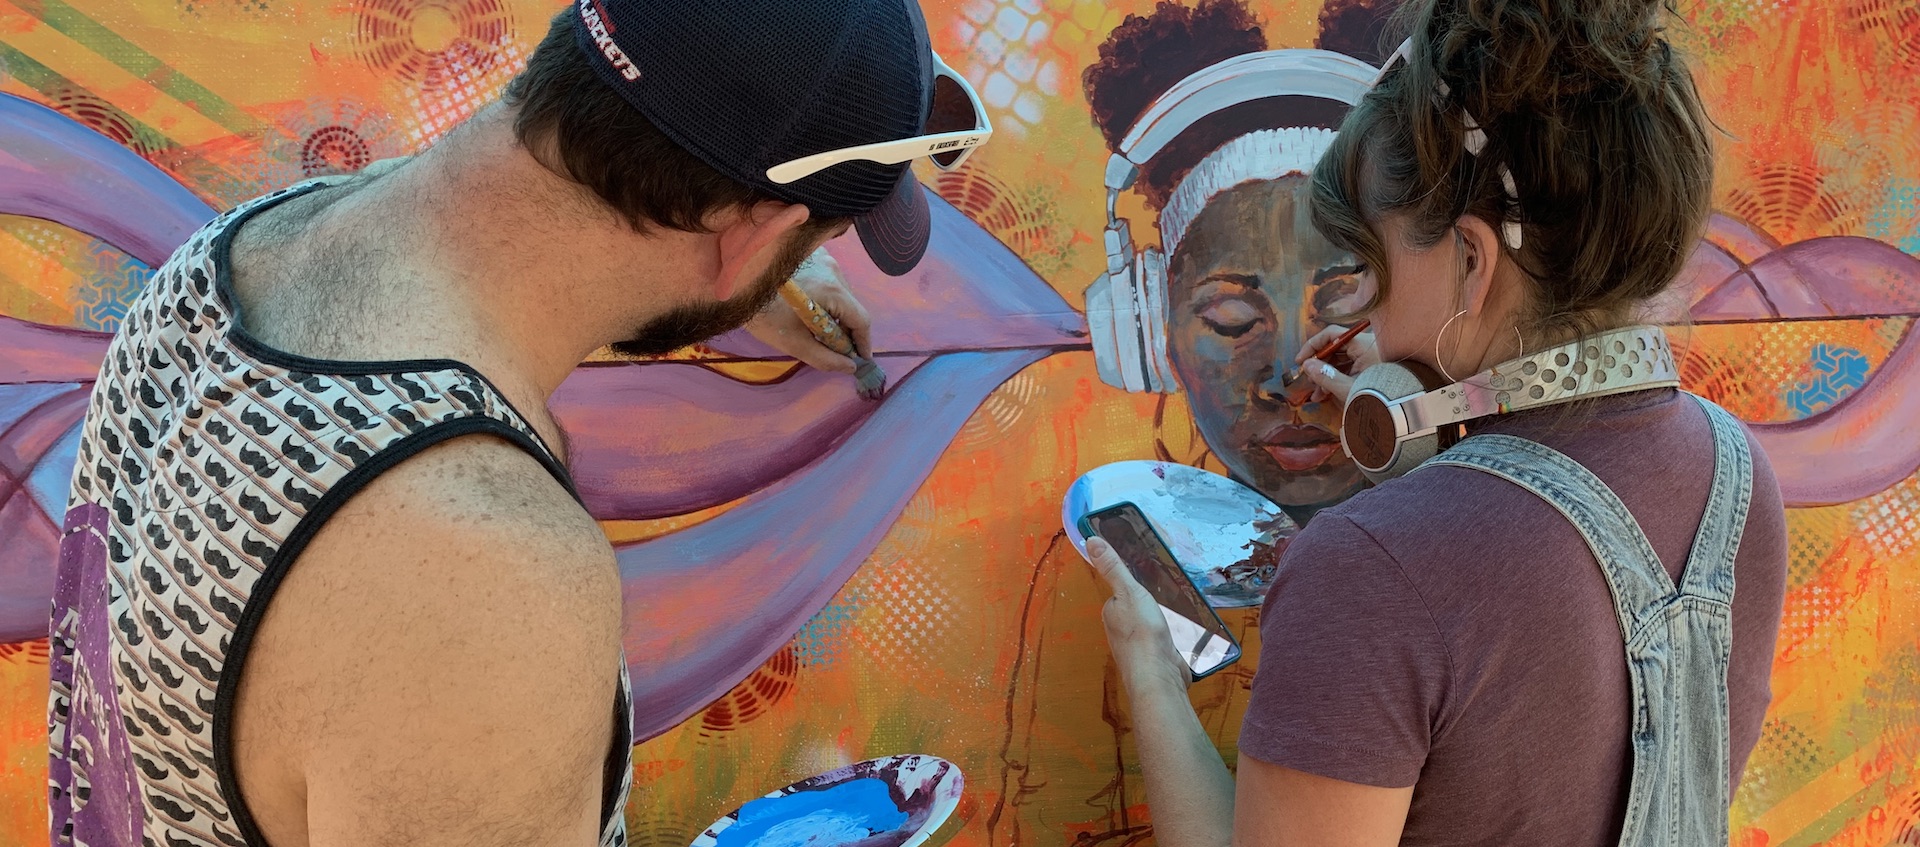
(822,324)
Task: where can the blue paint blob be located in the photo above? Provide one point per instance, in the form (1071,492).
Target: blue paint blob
(849,812)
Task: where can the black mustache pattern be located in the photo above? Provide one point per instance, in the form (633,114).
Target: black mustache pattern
(220,432)
(135,474)
(258,423)
(351,450)
(221,477)
(180,715)
(156,623)
(141,434)
(169,678)
(169,808)
(354,417)
(220,563)
(189,360)
(257,549)
(199,662)
(258,508)
(220,518)
(415,391)
(130,631)
(132,675)
(405,418)
(303,415)
(368,385)
(185,767)
(151,768)
(261,465)
(225,606)
(149,396)
(188,617)
(300,456)
(300,496)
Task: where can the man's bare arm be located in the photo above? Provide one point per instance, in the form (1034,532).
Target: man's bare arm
(439,666)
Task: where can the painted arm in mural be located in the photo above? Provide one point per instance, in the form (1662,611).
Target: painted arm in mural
(1195,801)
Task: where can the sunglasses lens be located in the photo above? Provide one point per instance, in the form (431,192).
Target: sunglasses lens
(952,112)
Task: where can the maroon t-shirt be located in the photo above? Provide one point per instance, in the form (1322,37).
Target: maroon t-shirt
(1451,631)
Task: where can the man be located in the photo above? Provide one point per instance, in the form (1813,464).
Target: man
(333,399)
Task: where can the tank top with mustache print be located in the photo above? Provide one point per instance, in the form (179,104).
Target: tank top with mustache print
(206,463)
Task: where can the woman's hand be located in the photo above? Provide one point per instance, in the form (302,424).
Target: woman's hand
(780,327)
(1328,381)
(1136,628)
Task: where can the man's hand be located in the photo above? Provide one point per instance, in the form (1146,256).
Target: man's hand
(779,327)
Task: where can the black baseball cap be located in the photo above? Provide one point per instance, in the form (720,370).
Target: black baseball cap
(749,84)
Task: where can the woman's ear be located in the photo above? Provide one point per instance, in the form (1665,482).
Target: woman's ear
(1480,247)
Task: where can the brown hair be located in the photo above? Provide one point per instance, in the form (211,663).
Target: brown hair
(1583,101)
(607,145)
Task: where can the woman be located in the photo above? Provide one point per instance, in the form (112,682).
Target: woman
(1442,660)
(1248,280)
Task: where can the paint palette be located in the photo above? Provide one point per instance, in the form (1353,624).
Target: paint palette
(1226,535)
(896,801)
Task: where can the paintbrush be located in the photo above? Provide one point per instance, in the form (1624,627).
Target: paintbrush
(1332,347)
(870,379)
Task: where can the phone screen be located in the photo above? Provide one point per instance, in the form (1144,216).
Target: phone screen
(1199,636)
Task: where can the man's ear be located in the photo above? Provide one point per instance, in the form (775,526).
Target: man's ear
(1481,244)
(749,240)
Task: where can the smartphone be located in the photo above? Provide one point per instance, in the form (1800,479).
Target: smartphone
(1198,635)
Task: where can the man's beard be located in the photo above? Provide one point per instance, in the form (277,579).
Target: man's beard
(688,325)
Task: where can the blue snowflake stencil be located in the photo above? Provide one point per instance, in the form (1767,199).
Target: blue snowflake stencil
(820,641)
(1837,371)
(115,280)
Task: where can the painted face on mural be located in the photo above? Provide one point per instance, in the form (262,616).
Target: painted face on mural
(1250,282)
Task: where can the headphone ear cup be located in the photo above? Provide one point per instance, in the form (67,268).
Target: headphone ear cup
(1371,435)
(1153,321)
(1103,331)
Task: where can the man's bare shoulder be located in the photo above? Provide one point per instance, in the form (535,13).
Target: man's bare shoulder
(462,595)
(479,500)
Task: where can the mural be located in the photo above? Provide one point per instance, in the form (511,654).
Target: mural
(814,580)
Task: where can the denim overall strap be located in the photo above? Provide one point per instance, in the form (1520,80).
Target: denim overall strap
(1678,639)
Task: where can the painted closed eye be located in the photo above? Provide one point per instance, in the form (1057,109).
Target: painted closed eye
(1336,290)
(1230,317)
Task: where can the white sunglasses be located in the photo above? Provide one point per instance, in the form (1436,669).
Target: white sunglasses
(951,136)
(1476,140)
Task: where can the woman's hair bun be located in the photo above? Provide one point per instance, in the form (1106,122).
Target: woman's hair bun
(1514,55)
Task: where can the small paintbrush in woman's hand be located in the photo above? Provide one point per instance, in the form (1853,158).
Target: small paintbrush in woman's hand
(1332,347)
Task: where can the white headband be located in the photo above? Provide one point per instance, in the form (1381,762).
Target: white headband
(1265,154)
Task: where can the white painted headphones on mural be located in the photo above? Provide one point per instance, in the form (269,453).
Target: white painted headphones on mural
(1126,307)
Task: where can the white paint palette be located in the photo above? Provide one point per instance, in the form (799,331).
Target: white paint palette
(1224,533)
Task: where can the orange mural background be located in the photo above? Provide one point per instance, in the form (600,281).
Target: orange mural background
(973,631)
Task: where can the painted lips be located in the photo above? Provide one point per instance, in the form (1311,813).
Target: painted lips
(1300,447)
